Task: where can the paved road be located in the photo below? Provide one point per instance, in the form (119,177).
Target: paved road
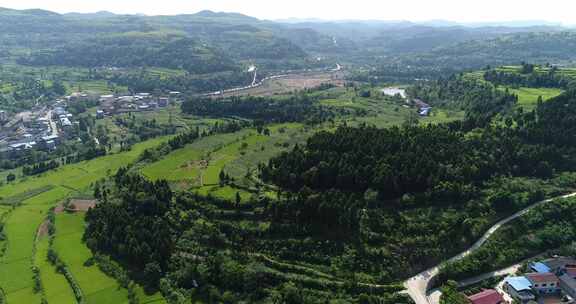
(434,294)
(53,126)
(255,83)
(417,286)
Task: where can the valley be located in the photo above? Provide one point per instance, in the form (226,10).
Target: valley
(220,158)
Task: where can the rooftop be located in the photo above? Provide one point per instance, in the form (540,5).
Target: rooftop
(559,262)
(50,137)
(540,267)
(488,296)
(568,281)
(519,283)
(537,277)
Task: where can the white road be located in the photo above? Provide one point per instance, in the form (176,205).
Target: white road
(53,126)
(418,285)
(255,83)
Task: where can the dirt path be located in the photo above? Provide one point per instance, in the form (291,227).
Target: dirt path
(418,285)
(42,229)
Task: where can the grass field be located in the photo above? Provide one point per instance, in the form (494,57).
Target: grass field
(528,97)
(16,277)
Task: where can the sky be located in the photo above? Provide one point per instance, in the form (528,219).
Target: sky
(412,10)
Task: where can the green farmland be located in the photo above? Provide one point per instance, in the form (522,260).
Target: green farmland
(97,287)
(16,276)
(528,97)
(199,164)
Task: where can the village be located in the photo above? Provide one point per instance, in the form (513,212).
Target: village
(547,281)
(44,128)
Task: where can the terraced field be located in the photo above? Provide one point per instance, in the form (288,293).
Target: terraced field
(97,287)
(528,97)
(16,276)
(199,164)
(55,285)
(569,72)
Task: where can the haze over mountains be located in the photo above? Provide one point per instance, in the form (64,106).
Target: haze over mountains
(229,42)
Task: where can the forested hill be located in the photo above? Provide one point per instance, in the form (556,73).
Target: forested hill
(411,160)
(212,40)
(558,47)
(154,49)
(380,51)
(399,186)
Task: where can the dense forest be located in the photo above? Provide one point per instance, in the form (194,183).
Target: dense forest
(136,50)
(537,47)
(342,217)
(143,80)
(360,204)
(370,181)
(295,108)
(179,244)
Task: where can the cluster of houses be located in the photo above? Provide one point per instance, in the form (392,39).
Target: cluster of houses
(111,104)
(27,131)
(44,128)
(552,278)
(62,116)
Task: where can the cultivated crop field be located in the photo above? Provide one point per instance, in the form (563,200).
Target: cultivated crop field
(55,285)
(16,276)
(528,97)
(199,164)
(97,287)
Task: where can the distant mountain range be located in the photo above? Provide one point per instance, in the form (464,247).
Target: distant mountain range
(435,23)
(226,41)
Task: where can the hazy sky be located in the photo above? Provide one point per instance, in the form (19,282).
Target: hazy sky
(415,10)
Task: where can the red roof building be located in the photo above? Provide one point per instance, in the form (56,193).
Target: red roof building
(544,282)
(488,296)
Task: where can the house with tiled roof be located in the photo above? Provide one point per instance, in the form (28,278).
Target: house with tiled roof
(488,296)
(543,283)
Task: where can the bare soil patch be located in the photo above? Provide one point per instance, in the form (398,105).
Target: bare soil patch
(292,83)
(76,205)
(43,229)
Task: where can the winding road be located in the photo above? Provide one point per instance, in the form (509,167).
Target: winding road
(417,286)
